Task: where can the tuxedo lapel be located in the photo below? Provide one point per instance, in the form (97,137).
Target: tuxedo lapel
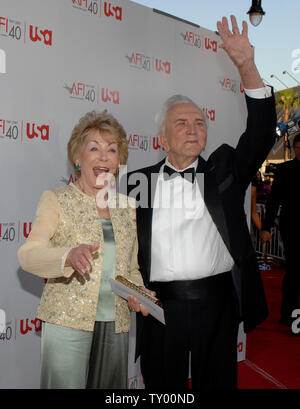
(212,198)
(145,214)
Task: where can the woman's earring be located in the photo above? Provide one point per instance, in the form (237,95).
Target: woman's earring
(78,167)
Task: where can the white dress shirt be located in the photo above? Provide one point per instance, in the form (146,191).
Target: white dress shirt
(186,244)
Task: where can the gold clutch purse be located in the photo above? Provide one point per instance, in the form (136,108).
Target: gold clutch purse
(138,289)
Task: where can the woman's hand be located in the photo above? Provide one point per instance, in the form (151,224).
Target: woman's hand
(81,258)
(135,305)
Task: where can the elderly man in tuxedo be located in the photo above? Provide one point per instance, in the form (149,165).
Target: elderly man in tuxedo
(196,254)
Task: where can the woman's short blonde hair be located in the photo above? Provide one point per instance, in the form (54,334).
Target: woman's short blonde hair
(103,122)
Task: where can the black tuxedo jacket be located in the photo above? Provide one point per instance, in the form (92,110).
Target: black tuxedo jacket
(227,174)
(285,192)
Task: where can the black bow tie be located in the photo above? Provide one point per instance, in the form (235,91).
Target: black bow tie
(188,174)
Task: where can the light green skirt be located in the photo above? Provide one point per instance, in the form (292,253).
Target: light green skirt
(74,359)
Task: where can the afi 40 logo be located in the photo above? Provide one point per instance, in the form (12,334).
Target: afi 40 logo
(80,90)
(92,93)
(12,129)
(98,7)
(8,232)
(232,85)
(191,38)
(87,5)
(11,29)
(11,231)
(196,40)
(147,63)
(136,141)
(16,30)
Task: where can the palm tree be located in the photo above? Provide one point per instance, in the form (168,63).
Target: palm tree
(289,101)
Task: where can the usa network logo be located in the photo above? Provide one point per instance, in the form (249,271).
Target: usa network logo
(40,35)
(210,113)
(229,84)
(148,63)
(92,93)
(40,131)
(20,327)
(140,61)
(13,130)
(99,8)
(112,11)
(199,41)
(11,232)
(27,325)
(156,145)
(14,29)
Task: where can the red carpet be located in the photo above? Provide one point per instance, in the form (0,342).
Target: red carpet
(272,350)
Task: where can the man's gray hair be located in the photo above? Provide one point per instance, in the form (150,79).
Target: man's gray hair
(167,105)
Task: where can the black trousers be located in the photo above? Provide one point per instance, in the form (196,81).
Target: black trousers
(204,325)
(290,290)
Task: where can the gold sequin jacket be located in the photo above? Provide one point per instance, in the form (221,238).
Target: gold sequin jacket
(65,218)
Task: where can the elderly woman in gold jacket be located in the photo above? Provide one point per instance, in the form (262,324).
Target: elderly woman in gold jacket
(81,237)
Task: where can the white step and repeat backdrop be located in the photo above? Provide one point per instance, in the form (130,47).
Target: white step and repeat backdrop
(58,60)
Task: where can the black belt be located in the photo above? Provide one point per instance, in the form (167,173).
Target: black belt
(192,289)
